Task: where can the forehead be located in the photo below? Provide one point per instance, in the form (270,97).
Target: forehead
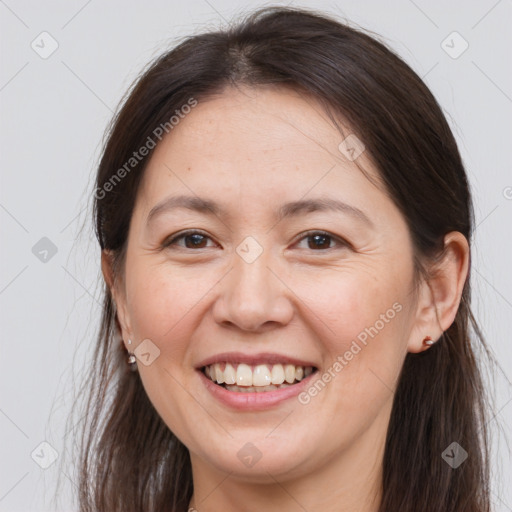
(257,120)
(260,144)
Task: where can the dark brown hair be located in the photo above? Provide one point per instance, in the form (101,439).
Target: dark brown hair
(129,460)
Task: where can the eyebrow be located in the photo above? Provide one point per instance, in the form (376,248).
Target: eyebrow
(291,209)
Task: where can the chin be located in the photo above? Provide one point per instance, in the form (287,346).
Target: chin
(260,460)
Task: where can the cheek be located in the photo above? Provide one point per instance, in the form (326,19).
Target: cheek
(166,308)
(351,305)
(165,301)
(360,322)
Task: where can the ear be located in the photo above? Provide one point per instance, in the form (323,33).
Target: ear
(118,297)
(439,297)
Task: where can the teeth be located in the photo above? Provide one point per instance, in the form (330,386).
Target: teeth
(229,374)
(289,373)
(219,374)
(262,377)
(244,375)
(255,389)
(277,374)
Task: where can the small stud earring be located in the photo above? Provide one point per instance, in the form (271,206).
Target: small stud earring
(428,341)
(132,361)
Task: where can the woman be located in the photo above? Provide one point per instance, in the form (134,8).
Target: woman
(285,222)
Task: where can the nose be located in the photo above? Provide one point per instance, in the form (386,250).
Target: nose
(253,297)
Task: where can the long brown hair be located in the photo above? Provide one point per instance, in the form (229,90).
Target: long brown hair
(128,458)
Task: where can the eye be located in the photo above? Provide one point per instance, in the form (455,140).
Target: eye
(193,240)
(318,240)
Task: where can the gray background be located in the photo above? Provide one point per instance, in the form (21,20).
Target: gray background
(53,114)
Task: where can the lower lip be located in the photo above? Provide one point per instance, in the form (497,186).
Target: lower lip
(253,401)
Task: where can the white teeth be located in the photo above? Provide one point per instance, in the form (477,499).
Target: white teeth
(219,374)
(277,374)
(255,389)
(244,375)
(262,377)
(289,373)
(229,374)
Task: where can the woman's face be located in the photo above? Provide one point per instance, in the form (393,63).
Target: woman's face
(255,174)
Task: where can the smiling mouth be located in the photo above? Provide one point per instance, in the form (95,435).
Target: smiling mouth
(244,378)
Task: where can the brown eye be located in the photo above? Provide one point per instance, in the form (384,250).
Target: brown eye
(320,240)
(192,239)
(196,240)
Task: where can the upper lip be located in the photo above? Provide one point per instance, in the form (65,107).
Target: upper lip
(253,359)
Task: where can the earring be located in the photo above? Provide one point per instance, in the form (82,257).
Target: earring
(132,362)
(428,341)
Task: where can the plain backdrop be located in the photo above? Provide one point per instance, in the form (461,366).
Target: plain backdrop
(54,110)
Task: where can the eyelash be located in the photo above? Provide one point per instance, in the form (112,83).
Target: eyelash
(343,243)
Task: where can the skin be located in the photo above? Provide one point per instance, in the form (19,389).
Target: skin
(252,150)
